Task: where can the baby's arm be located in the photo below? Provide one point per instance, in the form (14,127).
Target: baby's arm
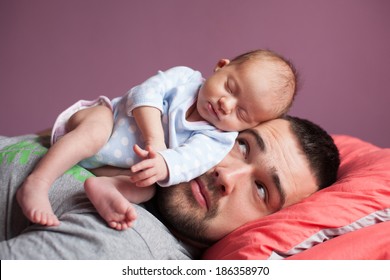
(152,168)
(146,102)
(149,122)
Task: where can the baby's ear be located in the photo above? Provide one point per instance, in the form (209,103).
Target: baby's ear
(221,63)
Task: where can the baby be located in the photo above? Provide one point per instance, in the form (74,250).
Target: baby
(198,118)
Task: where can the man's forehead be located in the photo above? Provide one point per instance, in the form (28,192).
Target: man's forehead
(283,153)
(277,128)
(293,165)
(268,162)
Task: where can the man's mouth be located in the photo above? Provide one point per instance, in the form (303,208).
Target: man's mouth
(200,193)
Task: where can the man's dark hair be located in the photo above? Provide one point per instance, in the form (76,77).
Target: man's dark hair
(319,148)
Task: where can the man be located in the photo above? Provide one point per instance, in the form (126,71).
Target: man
(265,172)
(270,167)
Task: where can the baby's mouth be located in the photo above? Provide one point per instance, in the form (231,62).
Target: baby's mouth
(211,109)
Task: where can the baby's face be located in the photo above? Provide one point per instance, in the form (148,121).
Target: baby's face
(239,96)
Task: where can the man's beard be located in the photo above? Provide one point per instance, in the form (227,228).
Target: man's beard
(180,210)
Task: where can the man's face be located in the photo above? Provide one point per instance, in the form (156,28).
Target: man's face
(265,172)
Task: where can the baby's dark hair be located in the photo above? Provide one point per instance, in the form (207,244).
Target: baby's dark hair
(319,149)
(287,75)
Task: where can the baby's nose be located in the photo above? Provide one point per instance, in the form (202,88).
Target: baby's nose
(227,105)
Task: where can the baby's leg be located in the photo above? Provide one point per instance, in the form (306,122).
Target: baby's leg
(112,197)
(88,130)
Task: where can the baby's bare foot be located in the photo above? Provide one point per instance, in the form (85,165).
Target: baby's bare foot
(34,200)
(125,220)
(114,208)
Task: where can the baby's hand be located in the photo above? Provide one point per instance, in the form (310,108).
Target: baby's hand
(150,170)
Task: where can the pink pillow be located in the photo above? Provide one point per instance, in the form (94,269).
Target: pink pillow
(368,243)
(359,198)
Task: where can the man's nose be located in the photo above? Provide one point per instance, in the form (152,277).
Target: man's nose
(232,177)
(227,104)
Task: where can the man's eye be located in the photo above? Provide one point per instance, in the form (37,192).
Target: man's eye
(243,146)
(261,190)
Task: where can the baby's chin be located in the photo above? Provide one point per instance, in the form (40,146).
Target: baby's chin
(222,126)
(228,128)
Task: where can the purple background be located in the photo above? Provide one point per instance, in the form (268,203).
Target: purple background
(53,53)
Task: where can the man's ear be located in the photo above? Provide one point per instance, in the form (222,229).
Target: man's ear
(221,63)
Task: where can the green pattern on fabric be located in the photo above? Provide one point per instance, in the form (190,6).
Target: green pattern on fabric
(23,151)
(24,148)
(79,173)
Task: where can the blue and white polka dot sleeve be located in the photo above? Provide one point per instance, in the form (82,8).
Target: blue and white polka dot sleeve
(196,156)
(157,89)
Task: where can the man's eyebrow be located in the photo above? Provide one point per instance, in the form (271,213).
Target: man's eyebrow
(274,173)
(281,192)
(258,138)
